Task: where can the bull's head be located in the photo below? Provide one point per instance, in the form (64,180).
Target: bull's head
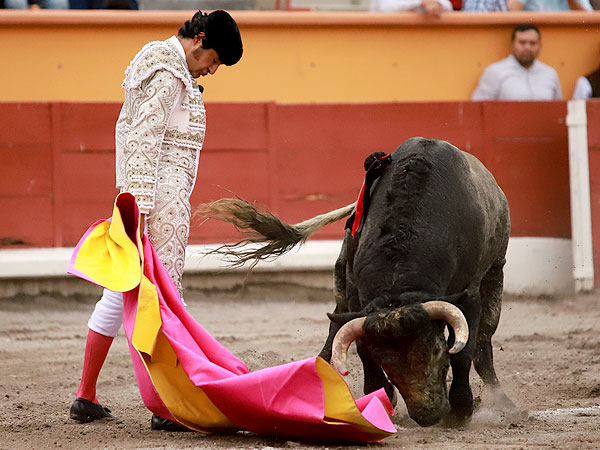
(409,345)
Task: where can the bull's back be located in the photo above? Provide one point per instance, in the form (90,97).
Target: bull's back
(437,220)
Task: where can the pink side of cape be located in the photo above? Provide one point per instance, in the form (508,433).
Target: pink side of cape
(284,400)
(290,396)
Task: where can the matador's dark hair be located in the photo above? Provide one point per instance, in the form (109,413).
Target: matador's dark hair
(525,27)
(221,33)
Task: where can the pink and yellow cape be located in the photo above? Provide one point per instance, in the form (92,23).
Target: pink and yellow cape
(186,376)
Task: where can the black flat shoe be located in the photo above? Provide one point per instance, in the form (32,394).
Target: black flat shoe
(85,411)
(158,423)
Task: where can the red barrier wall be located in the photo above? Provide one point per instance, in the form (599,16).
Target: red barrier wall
(57,160)
(593,118)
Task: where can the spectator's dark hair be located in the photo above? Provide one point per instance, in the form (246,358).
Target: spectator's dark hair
(525,27)
(220,33)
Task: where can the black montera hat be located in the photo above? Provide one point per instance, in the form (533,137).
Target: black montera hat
(222,34)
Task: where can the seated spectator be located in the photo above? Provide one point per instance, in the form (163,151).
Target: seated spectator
(588,86)
(520,76)
(103,4)
(485,5)
(429,7)
(46,4)
(549,5)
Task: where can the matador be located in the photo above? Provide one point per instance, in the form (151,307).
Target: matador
(158,138)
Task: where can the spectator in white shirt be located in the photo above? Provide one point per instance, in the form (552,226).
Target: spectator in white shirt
(583,88)
(588,86)
(549,5)
(520,76)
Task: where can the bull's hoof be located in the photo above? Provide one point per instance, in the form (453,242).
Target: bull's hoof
(160,424)
(84,411)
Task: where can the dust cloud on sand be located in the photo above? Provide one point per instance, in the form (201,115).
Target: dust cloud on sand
(547,356)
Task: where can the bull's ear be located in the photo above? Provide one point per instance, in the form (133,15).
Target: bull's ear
(342,318)
(372,158)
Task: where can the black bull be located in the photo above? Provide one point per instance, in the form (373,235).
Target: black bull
(435,233)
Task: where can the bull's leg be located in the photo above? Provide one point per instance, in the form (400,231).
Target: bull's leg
(374,376)
(491,296)
(333,329)
(341,302)
(460,395)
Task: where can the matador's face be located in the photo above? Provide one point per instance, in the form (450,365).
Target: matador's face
(201,61)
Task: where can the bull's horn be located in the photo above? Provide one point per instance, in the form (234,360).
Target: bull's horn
(440,310)
(345,336)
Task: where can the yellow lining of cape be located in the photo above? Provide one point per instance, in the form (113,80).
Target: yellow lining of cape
(340,406)
(109,257)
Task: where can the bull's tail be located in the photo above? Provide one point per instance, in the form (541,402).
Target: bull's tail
(264,229)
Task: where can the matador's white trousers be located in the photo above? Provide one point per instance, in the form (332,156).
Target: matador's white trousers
(167,228)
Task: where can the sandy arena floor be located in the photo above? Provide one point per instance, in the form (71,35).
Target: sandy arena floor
(547,356)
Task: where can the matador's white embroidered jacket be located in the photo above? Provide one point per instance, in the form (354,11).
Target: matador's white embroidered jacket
(163,107)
